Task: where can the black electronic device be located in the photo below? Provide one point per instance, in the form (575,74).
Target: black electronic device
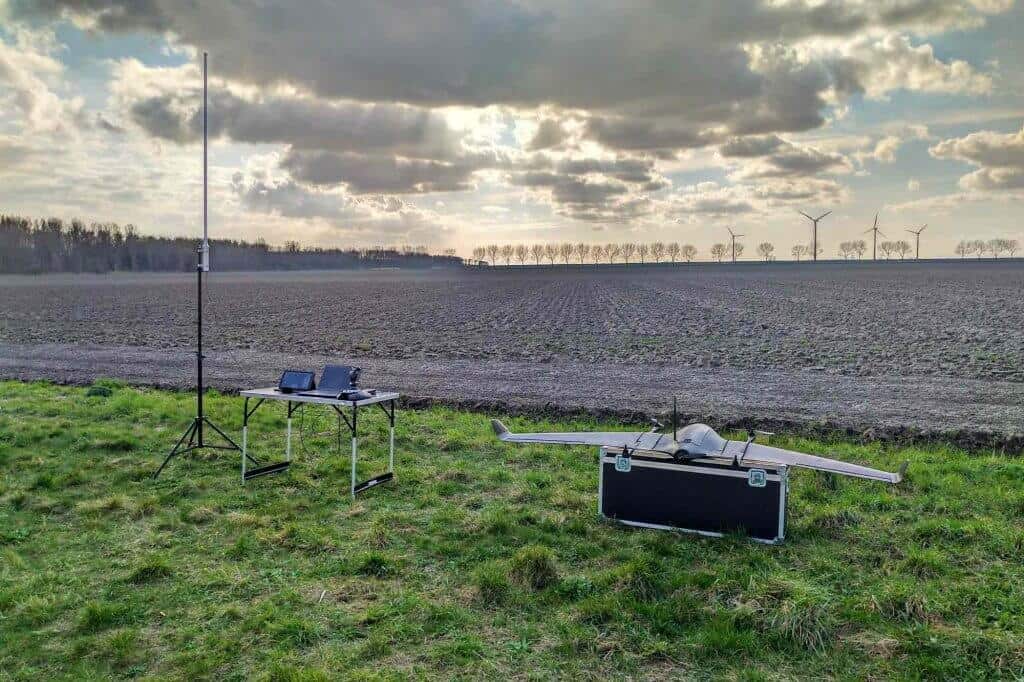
(296,381)
(334,381)
(358,394)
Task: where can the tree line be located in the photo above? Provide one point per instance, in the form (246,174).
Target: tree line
(52,245)
(992,247)
(581,252)
(658,252)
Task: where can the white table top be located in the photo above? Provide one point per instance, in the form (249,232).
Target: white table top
(271,393)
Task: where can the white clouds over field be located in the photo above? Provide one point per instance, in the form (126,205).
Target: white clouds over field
(395,122)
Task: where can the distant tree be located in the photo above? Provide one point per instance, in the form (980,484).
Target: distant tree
(995,247)
(658,251)
(887,248)
(582,251)
(718,251)
(860,247)
(673,249)
(537,251)
(979,247)
(765,250)
(612,251)
(627,249)
(903,248)
(737,250)
(292,246)
(565,250)
(689,252)
(798,251)
(522,253)
(479,253)
(449,252)
(642,251)
(551,253)
(963,249)
(1011,246)
(507,251)
(492,252)
(845,249)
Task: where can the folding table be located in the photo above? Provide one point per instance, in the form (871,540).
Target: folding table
(386,401)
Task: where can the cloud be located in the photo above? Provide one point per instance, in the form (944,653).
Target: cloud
(30,81)
(684,80)
(376,219)
(878,66)
(999,156)
(375,174)
(550,133)
(165,104)
(772,157)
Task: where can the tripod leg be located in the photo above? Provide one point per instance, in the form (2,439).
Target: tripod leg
(189,433)
(228,439)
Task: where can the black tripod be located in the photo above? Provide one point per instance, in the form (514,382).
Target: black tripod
(193,438)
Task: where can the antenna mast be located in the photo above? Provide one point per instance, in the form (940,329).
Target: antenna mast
(194,437)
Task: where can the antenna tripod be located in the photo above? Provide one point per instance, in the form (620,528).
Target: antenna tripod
(194,436)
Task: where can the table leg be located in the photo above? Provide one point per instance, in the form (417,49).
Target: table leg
(355,447)
(245,435)
(288,435)
(354,451)
(391,439)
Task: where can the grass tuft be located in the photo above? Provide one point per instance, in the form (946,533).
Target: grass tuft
(492,582)
(534,566)
(153,567)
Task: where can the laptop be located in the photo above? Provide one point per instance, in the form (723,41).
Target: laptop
(335,380)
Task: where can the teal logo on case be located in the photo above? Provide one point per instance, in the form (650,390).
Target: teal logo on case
(757,478)
(622,464)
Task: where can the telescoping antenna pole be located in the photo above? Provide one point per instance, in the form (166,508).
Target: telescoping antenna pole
(194,437)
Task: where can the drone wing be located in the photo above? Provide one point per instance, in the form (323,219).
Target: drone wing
(633,440)
(766,453)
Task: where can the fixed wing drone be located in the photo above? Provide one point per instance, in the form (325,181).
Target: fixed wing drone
(699,441)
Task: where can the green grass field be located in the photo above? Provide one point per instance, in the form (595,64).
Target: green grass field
(482,560)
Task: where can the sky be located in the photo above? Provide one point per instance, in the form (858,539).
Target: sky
(458,124)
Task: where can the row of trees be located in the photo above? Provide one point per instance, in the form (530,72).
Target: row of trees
(657,252)
(992,247)
(582,252)
(51,245)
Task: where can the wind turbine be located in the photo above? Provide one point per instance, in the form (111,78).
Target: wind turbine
(917,240)
(733,236)
(874,238)
(814,241)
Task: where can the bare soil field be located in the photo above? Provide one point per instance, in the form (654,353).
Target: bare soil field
(932,346)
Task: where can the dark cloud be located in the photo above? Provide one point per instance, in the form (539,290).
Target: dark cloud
(644,135)
(303,123)
(550,133)
(773,157)
(745,147)
(589,190)
(657,75)
(373,217)
(376,174)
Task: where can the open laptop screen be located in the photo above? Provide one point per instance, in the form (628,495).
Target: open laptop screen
(339,378)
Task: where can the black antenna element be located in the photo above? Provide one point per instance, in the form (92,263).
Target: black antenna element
(675,418)
(193,438)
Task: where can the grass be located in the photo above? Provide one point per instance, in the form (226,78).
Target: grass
(481,560)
